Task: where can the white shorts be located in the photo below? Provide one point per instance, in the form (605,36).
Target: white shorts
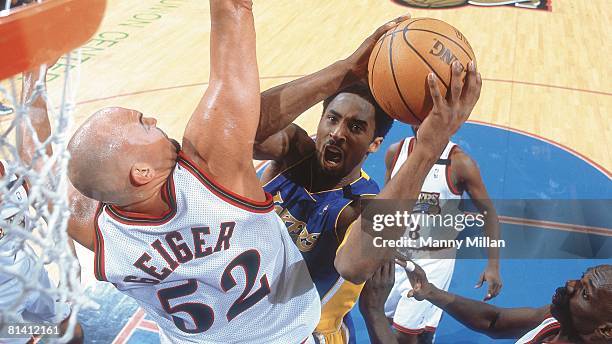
(409,315)
(36,307)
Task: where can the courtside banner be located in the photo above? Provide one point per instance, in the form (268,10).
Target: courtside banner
(435,228)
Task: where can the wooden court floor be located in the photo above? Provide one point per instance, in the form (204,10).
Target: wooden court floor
(545,72)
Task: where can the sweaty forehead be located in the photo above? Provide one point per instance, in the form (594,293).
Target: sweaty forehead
(352,105)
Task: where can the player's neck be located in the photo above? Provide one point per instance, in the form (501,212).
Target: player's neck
(150,204)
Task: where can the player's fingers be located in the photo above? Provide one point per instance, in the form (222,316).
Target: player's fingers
(474,86)
(496,289)
(478,86)
(436,96)
(388,25)
(470,81)
(410,293)
(480,281)
(456,83)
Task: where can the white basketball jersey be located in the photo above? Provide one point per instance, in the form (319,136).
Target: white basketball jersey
(438,189)
(216,268)
(548,327)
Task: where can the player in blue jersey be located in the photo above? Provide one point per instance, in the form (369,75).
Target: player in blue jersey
(315,182)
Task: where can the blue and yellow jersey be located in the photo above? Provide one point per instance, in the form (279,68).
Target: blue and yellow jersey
(311,219)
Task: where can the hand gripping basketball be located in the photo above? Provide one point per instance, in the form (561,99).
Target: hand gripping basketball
(447,115)
(358,61)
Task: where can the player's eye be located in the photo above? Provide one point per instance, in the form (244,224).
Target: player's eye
(585,294)
(356,127)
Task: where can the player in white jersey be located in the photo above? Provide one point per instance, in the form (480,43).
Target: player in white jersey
(581,311)
(188,232)
(453,173)
(36,307)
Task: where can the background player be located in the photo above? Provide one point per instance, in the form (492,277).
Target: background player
(453,173)
(206,263)
(36,307)
(581,311)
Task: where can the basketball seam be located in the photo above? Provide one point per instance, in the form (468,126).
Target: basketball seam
(472,56)
(424,60)
(441,21)
(395,80)
(416,20)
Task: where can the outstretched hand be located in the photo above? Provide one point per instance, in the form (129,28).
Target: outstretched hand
(418,280)
(448,114)
(492,276)
(358,61)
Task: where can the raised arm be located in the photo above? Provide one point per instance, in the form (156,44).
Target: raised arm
(358,258)
(493,321)
(220,133)
(33,88)
(282,104)
(469,178)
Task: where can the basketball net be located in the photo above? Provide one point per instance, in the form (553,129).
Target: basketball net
(41,237)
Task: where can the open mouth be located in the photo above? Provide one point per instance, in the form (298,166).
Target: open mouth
(332,155)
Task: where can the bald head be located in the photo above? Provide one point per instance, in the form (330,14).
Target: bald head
(112,145)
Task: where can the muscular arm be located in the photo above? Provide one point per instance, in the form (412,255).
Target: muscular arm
(282,104)
(469,178)
(358,258)
(38,116)
(220,133)
(81,226)
(279,140)
(482,317)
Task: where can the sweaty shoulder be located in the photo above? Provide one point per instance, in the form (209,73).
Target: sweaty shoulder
(462,164)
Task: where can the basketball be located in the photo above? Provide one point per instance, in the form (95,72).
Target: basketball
(402,59)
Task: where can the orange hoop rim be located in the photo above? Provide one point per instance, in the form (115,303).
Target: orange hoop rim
(37,33)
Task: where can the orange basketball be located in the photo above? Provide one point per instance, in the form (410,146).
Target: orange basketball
(402,59)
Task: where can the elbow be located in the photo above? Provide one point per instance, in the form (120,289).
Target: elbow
(350,269)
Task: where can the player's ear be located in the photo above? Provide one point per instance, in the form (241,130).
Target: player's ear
(141,174)
(605,331)
(375,144)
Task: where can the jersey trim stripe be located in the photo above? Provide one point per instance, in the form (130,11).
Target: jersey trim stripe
(99,270)
(545,332)
(139,219)
(449,180)
(223,193)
